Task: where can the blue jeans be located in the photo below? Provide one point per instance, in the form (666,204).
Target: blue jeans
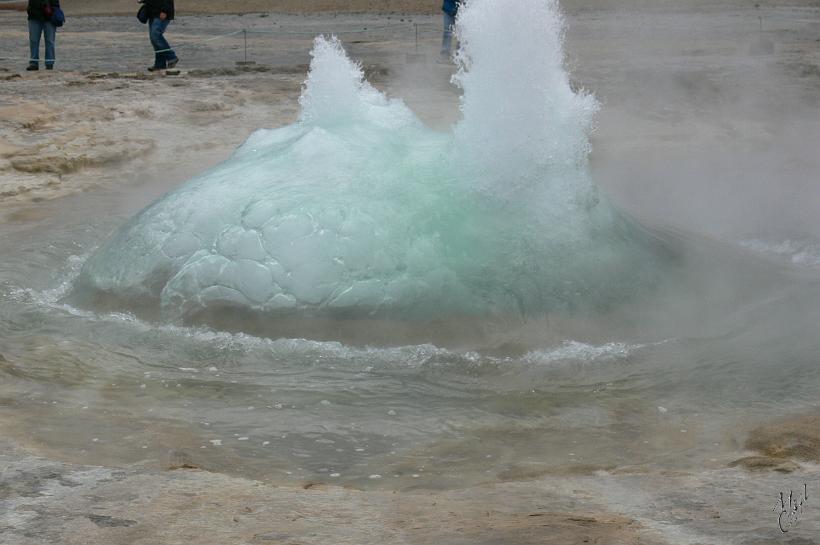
(163,53)
(49,31)
(447,38)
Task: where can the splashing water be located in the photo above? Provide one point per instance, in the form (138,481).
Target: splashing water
(359,210)
(523,128)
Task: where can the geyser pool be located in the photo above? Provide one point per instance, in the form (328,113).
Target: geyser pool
(360,211)
(571,419)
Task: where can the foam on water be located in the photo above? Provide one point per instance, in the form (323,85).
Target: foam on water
(800,252)
(409,356)
(359,210)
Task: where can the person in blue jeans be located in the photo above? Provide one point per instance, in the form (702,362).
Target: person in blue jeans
(450,9)
(39,24)
(160,15)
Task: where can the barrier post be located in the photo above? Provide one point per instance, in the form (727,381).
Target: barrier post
(415,57)
(245,62)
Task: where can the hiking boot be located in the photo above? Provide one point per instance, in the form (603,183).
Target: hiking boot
(31,67)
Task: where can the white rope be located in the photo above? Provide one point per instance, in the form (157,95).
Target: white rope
(410,27)
(135,53)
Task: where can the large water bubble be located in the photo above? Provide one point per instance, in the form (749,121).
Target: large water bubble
(359,210)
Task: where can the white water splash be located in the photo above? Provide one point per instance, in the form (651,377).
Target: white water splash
(359,211)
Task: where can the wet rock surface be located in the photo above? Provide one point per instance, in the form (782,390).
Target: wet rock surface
(48,501)
(63,145)
(65,504)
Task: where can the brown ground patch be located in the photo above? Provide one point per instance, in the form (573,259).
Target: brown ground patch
(796,437)
(542,528)
(782,444)
(77,151)
(205,508)
(765,463)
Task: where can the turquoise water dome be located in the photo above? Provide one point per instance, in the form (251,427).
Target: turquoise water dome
(360,211)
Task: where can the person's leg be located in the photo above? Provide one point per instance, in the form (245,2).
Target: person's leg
(35,28)
(447,37)
(159,58)
(50,34)
(170,56)
(164,53)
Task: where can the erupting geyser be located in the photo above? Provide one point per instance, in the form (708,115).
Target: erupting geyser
(360,210)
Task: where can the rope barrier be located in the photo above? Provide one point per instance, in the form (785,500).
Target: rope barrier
(334,32)
(184,45)
(416,28)
(135,53)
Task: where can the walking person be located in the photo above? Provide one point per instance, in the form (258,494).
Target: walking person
(40,23)
(160,14)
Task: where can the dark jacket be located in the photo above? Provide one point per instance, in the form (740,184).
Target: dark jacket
(36,7)
(450,7)
(155,7)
